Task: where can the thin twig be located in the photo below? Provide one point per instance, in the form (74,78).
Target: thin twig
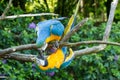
(27,15)
(89,42)
(6,10)
(76,28)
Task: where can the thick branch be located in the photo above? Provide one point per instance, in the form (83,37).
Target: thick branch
(33,46)
(85,51)
(20,57)
(17,48)
(110,20)
(30,58)
(27,15)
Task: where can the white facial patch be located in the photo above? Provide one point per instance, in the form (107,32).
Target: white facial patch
(40,62)
(44,46)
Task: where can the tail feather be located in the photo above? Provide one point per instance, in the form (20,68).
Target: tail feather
(71,55)
(71,20)
(68,59)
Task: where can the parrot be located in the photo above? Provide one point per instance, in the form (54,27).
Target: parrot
(48,31)
(53,29)
(57,60)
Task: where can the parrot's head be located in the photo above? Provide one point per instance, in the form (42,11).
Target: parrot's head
(48,30)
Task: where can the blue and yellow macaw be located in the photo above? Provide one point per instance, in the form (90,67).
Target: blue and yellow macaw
(53,29)
(57,60)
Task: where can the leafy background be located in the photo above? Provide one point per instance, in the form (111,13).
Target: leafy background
(97,66)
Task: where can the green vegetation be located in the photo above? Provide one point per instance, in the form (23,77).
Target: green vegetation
(96,66)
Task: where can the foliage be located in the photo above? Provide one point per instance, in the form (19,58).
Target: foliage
(102,65)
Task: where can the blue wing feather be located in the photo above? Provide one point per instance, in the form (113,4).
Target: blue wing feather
(45,30)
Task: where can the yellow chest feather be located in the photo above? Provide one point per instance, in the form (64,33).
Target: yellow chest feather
(52,37)
(54,60)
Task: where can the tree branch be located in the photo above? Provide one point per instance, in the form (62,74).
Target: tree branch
(20,57)
(85,51)
(110,20)
(27,15)
(33,46)
(30,58)
(17,48)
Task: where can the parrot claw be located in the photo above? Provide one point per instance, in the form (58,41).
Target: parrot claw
(56,45)
(41,56)
(52,47)
(41,60)
(42,50)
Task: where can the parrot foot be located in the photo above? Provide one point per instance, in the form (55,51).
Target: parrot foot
(41,56)
(52,47)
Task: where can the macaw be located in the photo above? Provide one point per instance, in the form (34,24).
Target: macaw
(57,60)
(49,30)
